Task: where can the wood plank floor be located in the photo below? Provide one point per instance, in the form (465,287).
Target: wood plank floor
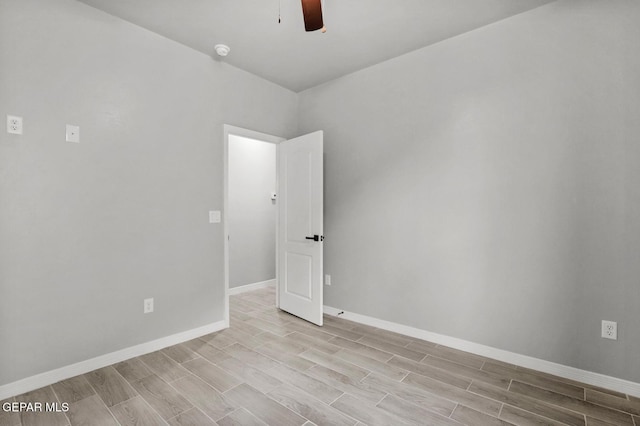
(273,368)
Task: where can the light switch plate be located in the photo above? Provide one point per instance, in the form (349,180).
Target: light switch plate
(214,216)
(73,133)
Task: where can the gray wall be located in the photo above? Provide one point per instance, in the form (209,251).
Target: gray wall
(87,231)
(252,213)
(488,187)
(485,187)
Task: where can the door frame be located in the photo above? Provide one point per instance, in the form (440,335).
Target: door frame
(263,137)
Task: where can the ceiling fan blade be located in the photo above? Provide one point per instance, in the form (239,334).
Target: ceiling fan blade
(312,11)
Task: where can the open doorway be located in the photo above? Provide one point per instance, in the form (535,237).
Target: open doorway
(296,202)
(252,214)
(250,211)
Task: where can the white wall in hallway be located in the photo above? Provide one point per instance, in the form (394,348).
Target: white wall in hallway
(252,213)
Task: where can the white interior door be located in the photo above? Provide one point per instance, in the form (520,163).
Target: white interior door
(300,226)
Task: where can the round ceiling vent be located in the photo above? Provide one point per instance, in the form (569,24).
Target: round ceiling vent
(222,49)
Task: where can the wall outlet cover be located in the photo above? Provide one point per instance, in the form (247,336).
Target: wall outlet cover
(610,330)
(14,125)
(148,305)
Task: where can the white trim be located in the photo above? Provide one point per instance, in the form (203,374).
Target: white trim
(53,376)
(251,287)
(584,376)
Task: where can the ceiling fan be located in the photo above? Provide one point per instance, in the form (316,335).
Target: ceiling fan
(312,11)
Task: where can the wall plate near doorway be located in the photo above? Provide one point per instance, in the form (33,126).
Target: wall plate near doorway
(214,216)
(72,133)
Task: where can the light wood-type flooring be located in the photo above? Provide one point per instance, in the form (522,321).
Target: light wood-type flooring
(273,368)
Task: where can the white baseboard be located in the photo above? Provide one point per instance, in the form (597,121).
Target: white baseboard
(588,377)
(53,376)
(251,287)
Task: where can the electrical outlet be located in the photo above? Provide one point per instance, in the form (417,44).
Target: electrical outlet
(610,330)
(148,305)
(14,125)
(327,279)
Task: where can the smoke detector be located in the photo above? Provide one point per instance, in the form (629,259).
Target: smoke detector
(222,49)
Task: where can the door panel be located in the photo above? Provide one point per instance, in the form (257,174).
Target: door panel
(300,193)
(299,270)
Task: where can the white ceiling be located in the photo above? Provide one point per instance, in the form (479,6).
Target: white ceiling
(359,33)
